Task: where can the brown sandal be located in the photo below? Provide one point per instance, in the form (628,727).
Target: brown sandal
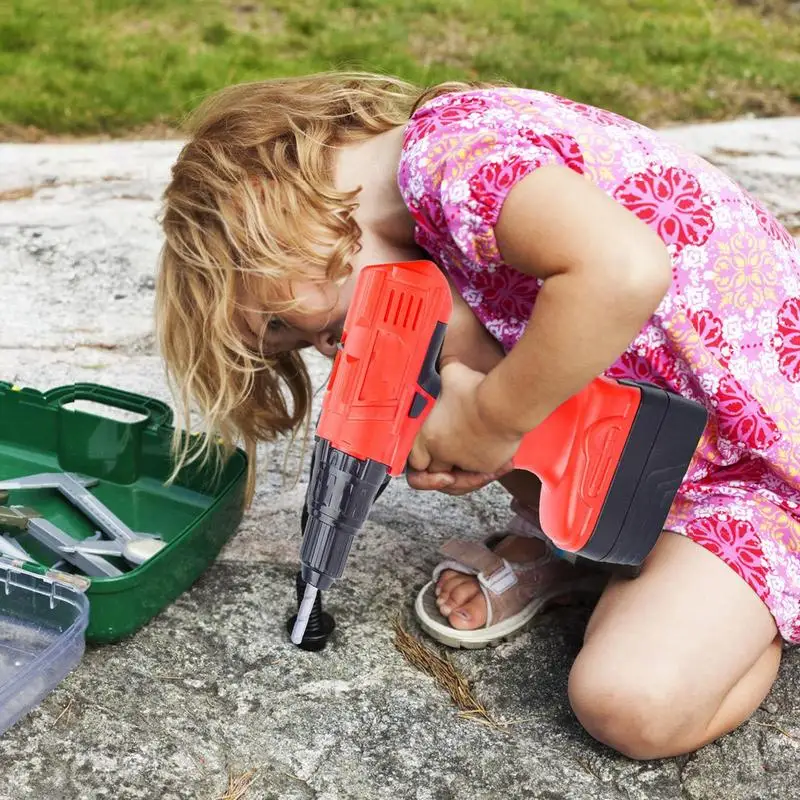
(515,592)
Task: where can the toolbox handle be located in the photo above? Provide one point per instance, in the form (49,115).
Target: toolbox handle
(158,412)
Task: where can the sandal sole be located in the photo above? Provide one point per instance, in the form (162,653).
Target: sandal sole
(438,628)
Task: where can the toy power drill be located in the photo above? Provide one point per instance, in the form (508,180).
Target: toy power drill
(610,459)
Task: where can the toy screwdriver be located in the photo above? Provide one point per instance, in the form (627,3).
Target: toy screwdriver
(610,458)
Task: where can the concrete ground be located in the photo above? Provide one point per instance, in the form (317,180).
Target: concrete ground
(211,685)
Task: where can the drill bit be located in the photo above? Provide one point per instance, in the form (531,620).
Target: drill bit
(303,614)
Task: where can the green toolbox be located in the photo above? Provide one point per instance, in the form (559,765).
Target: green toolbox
(48,605)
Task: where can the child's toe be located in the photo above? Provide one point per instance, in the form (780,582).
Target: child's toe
(470,615)
(460,596)
(448,587)
(449,579)
(464,592)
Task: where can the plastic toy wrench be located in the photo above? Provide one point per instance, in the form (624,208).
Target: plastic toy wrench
(73,487)
(44,480)
(53,538)
(136,552)
(10,549)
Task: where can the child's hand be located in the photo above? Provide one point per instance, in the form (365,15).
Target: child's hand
(457,439)
(455,482)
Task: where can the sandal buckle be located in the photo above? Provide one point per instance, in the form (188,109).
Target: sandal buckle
(501,580)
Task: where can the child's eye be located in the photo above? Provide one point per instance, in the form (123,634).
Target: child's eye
(275,325)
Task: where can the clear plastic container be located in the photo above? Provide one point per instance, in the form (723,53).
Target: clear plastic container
(42,625)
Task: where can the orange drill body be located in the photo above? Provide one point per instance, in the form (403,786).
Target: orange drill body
(610,459)
(386,363)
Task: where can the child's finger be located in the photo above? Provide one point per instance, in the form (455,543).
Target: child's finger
(429,481)
(465,482)
(419,458)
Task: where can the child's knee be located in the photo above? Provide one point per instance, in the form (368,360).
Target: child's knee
(643,716)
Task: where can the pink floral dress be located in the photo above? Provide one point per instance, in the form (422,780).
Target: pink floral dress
(726,334)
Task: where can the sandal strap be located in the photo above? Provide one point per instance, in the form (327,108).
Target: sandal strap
(507,587)
(525,521)
(495,575)
(492,571)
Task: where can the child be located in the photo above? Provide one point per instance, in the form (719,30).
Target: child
(577,243)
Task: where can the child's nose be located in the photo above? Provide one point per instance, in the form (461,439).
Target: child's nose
(326,343)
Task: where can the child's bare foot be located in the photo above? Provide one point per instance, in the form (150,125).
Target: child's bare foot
(459,596)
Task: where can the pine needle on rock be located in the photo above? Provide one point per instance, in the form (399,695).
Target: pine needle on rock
(444,672)
(238,786)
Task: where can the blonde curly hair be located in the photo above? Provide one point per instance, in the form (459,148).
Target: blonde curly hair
(252,196)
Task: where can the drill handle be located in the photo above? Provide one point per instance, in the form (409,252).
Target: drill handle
(574,453)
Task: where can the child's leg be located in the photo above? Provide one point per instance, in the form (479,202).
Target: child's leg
(676,657)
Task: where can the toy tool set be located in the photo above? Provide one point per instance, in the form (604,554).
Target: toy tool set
(610,458)
(88,555)
(93,544)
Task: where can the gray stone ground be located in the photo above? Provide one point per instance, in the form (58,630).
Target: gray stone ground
(211,685)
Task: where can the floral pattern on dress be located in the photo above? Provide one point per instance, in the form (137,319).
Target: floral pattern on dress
(670,201)
(736,543)
(726,334)
(710,328)
(788,339)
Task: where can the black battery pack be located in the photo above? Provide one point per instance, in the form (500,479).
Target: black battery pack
(662,441)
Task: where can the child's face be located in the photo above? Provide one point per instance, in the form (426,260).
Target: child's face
(316,322)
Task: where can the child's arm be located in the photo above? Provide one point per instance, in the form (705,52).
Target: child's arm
(605,272)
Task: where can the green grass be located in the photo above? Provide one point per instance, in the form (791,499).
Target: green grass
(111,66)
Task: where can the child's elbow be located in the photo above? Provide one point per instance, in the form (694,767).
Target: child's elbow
(647,274)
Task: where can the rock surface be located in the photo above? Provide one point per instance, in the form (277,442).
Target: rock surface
(211,686)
